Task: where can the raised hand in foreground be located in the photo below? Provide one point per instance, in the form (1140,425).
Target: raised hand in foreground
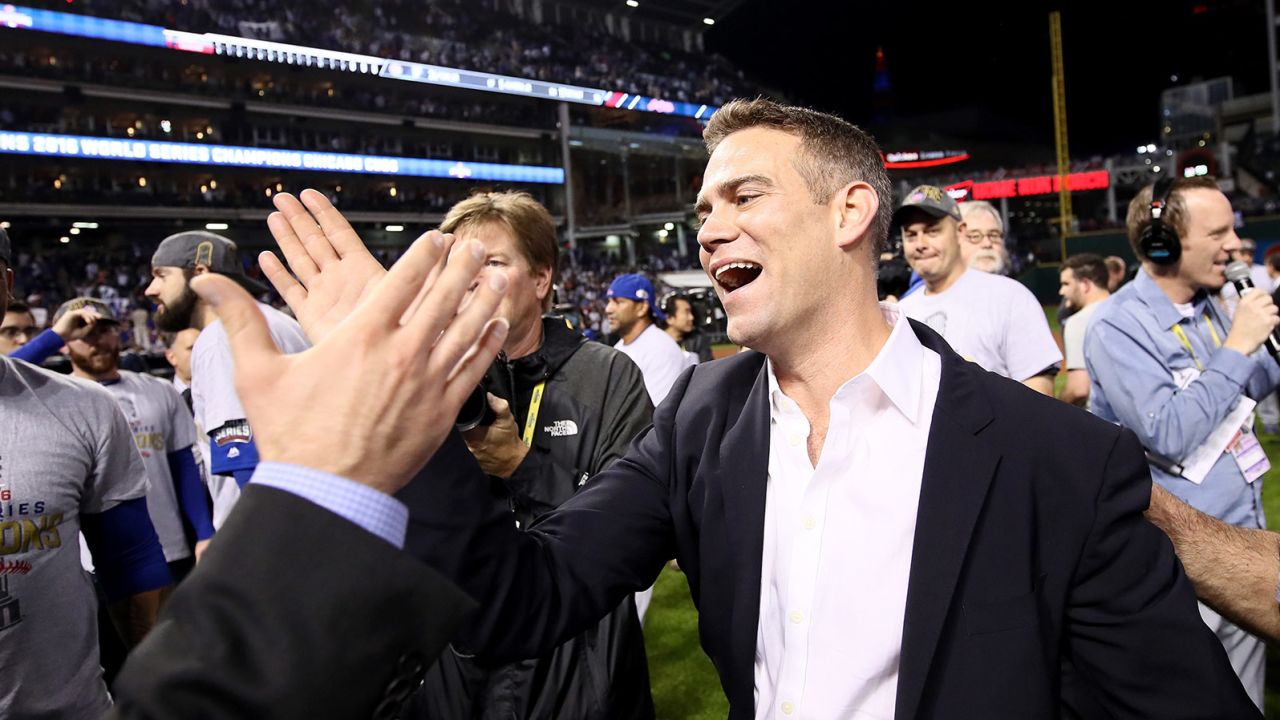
(380,388)
(334,270)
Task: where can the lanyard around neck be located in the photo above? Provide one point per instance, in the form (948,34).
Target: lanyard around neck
(531,420)
(1186,342)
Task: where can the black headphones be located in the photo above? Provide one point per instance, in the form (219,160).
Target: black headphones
(1159,242)
(667,304)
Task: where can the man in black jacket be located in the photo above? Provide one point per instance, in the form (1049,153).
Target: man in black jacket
(565,409)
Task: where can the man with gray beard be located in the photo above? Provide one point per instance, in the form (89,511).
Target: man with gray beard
(984,249)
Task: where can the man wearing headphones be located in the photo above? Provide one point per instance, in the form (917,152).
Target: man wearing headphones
(1167,363)
(682,326)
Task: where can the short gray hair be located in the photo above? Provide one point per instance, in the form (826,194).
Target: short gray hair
(973,206)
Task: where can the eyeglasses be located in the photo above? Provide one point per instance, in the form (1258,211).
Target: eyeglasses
(994,236)
(12,333)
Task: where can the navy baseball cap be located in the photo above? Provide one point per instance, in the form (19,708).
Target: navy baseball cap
(200,247)
(636,287)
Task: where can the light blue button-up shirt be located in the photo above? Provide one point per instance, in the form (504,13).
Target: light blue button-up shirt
(1133,355)
(375,511)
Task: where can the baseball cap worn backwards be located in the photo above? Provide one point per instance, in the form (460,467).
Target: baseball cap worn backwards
(199,247)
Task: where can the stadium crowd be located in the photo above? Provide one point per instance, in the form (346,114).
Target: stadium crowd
(457,34)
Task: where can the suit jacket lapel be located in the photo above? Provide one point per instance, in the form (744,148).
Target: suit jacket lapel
(744,469)
(958,469)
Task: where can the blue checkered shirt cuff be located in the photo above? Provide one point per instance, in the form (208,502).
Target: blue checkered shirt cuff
(375,511)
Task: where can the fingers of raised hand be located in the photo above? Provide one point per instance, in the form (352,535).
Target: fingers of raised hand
(445,297)
(313,238)
(472,366)
(392,297)
(289,288)
(458,341)
(341,236)
(287,238)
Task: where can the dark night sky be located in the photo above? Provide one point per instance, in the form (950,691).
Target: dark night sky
(990,63)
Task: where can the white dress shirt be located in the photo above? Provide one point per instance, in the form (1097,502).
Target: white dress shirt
(838,538)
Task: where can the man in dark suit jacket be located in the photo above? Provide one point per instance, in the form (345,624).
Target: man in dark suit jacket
(998,532)
(1028,544)
(304,606)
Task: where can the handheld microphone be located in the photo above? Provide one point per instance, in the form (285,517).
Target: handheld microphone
(1238,274)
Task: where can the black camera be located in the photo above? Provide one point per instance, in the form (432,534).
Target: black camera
(475,411)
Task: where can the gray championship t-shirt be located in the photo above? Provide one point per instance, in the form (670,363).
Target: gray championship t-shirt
(161,424)
(65,450)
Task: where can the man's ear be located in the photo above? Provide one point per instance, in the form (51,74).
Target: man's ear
(200,269)
(856,205)
(542,282)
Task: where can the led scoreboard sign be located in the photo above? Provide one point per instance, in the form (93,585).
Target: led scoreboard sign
(14,16)
(79,146)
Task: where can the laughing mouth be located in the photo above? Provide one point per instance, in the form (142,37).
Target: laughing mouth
(735,275)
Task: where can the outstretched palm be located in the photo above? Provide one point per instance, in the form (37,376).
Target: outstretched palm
(334,270)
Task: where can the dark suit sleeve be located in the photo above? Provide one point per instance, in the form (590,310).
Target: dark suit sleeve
(294,612)
(1133,628)
(538,588)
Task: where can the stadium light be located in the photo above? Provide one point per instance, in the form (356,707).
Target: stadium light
(708,21)
(1151,148)
(142,181)
(633,4)
(75,231)
(215,226)
(64,239)
(395,228)
(1142,149)
(85,225)
(669,227)
(1155,169)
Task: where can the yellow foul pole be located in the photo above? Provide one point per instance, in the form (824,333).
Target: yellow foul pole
(1060,128)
